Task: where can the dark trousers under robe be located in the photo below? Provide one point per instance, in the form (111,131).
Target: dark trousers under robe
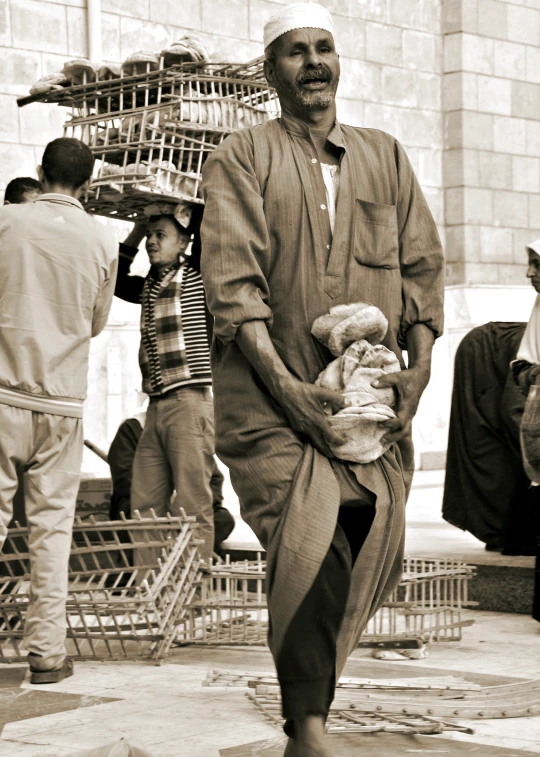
(306,666)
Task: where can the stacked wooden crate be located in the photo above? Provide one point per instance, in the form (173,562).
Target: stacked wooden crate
(151,131)
(130,583)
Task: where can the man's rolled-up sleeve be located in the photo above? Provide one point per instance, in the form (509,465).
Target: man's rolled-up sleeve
(235,239)
(421,255)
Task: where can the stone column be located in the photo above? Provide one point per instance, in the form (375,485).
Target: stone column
(491,176)
(491,104)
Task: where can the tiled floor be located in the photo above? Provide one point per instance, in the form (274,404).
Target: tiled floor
(167,711)
(383,745)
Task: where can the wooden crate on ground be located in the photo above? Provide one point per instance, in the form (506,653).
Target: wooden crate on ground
(412,705)
(427,605)
(229,607)
(347,719)
(130,582)
(257,680)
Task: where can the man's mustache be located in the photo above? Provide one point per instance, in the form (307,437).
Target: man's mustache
(321,72)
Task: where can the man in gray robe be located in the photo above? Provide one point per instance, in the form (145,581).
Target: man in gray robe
(302,214)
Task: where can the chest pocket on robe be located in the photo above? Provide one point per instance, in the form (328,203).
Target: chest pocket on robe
(375,241)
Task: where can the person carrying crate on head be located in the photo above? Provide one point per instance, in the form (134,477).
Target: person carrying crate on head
(57,274)
(176,448)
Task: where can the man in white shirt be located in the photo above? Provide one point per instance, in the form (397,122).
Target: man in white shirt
(57,276)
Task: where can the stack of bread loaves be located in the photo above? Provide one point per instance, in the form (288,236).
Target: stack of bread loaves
(152,120)
(353,334)
(188,49)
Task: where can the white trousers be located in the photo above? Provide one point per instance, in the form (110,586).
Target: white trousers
(48,448)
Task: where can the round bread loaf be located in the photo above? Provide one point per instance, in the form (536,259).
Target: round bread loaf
(375,411)
(49,82)
(323,325)
(79,71)
(177,53)
(40,88)
(367,323)
(109,71)
(381,357)
(140,62)
(357,399)
(363,438)
(353,357)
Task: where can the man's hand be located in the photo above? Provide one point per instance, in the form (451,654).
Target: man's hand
(409,385)
(303,405)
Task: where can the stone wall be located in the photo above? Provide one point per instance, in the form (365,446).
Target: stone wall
(457,81)
(491,102)
(491,173)
(391,63)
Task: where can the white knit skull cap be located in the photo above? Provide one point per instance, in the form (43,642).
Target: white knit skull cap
(297,16)
(534,246)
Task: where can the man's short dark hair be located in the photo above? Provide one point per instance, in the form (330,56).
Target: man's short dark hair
(67,162)
(17,188)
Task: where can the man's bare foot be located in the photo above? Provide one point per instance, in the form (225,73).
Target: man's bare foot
(310,740)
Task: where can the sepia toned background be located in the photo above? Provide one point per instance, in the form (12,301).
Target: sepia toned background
(458,82)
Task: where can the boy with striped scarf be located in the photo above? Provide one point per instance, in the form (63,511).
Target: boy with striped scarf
(176,449)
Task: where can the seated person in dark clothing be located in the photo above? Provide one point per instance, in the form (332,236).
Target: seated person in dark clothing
(121,455)
(486,489)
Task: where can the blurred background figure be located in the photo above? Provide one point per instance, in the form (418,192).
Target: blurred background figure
(22,189)
(175,451)
(18,191)
(486,489)
(44,354)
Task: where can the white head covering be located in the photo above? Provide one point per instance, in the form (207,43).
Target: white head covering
(534,246)
(297,16)
(529,349)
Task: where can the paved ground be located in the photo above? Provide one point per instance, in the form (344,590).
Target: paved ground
(166,708)
(168,711)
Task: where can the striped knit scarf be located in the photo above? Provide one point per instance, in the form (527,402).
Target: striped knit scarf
(162,356)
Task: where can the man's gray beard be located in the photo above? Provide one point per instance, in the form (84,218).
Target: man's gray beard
(314,100)
(309,100)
